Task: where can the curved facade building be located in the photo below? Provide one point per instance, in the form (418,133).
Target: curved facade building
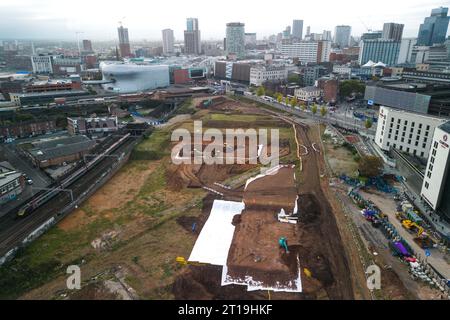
(128,78)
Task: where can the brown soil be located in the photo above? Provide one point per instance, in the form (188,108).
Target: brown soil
(323,252)
(316,239)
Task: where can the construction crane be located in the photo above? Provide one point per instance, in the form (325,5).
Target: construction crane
(365,26)
(77,33)
(120,22)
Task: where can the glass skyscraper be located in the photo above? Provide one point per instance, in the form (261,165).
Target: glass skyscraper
(386,51)
(297,29)
(235,40)
(434,28)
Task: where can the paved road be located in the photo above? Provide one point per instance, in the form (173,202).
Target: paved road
(40,180)
(331,118)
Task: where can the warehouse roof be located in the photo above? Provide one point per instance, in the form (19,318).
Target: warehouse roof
(61,147)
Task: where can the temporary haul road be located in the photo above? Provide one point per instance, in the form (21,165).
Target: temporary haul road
(14,229)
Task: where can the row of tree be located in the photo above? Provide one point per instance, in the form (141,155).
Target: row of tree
(293,102)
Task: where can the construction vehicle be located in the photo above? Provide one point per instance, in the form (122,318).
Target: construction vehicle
(424,241)
(283,244)
(400,216)
(412,227)
(184,262)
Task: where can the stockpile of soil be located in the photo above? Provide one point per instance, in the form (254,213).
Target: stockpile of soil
(272,192)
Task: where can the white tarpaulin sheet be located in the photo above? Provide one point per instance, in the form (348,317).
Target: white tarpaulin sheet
(295,285)
(214,241)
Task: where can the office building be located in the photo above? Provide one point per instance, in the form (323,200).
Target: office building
(250,40)
(372,35)
(287,33)
(124,42)
(308,94)
(386,51)
(406,50)
(393,31)
(91,125)
(434,29)
(420,93)
(308,51)
(260,74)
(326,35)
(87,46)
(406,131)
(235,40)
(310,74)
(42,64)
(234,71)
(297,29)
(342,36)
(168,41)
(12,182)
(436,183)
(192,37)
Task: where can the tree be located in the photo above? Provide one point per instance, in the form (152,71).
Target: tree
(314,109)
(260,92)
(303,107)
(287,101)
(294,102)
(279,97)
(370,166)
(351,87)
(368,123)
(294,78)
(323,111)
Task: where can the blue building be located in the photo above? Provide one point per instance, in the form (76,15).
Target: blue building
(383,50)
(434,28)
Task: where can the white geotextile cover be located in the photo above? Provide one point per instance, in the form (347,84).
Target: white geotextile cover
(295,285)
(214,241)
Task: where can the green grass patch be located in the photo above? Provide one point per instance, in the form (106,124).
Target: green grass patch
(154,147)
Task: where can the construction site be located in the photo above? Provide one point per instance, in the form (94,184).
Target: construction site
(286,203)
(160,230)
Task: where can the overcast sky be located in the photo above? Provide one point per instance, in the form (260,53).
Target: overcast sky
(98,19)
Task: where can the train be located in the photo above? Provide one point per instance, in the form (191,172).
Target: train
(44,196)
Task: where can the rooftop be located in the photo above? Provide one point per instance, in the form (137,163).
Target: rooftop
(309,89)
(55,148)
(7,173)
(445,127)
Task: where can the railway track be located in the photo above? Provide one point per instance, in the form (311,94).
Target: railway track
(14,230)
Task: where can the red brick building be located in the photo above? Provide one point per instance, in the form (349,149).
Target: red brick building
(25,129)
(181,76)
(330,89)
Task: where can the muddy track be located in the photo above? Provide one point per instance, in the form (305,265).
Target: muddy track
(324,225)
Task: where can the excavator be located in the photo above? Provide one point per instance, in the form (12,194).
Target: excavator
(412,227)
(422,238)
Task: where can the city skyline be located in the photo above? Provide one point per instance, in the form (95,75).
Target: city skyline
(32,21)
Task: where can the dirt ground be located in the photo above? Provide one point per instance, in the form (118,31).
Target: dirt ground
(316,238)
(151,209)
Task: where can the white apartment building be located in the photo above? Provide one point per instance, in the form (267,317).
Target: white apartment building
(42,64)
(168,41)
(261,74)
(406,131)
(436,174)
(342,69)
(307,93)
(308,51)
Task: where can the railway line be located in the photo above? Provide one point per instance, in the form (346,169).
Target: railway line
(14,229)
